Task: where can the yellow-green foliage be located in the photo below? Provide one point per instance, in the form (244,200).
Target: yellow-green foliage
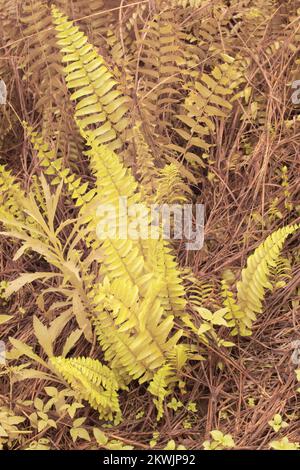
(134,342)
(54,166)
(284,444)
(234,314)
(255,280)
(100,105)
(171,188)
(219,441)
(159,387)
(11,194)
(134,305)
(188,3)
(93,381)
(9,427)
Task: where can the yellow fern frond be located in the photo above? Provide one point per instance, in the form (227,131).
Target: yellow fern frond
(255,277)
(170,187)
(234,313)
(11,195)
(100,107)
(172,292)
(54,167)
(93,382)
(134,333)
(188,3)
(160,387)
(133,260)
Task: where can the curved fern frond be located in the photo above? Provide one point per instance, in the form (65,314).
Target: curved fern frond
(255,277)
(101,107)
(93,381)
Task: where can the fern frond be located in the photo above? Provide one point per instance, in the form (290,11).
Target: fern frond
(95,22)
(251,289)
(281,272)
(160,388)
(134,334)
(122,62)
(209,99)
(179,356)
(172,292)
(135,344)
(114,184)
(135,337)
(204,34)
(11,195)
(159,73)
(133,260)
(252,20)
(234,313)
(43,72)
(36,21)
(188,3)
(113,180)
(54,166)
(201,293)
(146,171)
(170,186)
(101,107)
(93,381)
(94,83)
(136,16)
